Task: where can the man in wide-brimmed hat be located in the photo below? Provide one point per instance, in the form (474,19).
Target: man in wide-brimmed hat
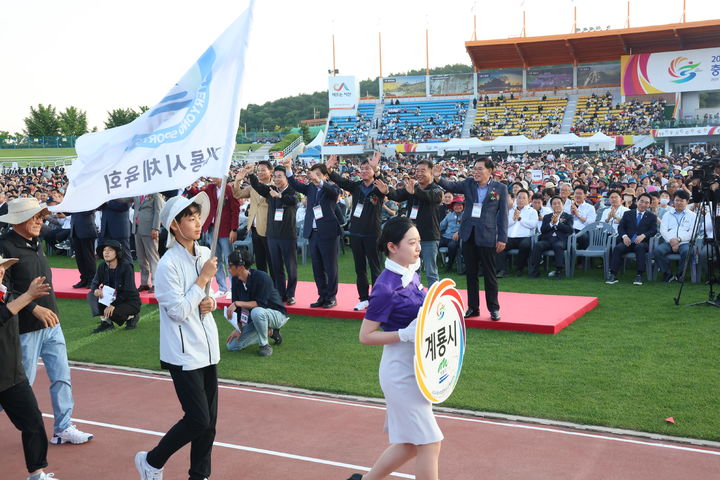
(40,333)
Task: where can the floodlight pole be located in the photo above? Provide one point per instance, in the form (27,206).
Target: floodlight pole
(334,71)
(574,29)
(523,29)
(380,51)
(684,6)
(427,52)
(628,14)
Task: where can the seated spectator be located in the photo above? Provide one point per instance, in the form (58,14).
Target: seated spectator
(115,277)
(676,229)
(556,228)
(260,311)
(582,212)
(635,231)
(540,209)
(449,231)
(522,222)
(614,213)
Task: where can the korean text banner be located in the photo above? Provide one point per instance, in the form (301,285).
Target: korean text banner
(189,134)
(679,71)
(343,93)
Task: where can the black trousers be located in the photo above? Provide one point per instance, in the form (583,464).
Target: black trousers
(120,314)
(557,246)
(523,245)
(324,255)
(22,409)
(365,252)
(261,253)
(197,391)
(476,257)
(283,257)
(640,250)
(452,247)
(84,257)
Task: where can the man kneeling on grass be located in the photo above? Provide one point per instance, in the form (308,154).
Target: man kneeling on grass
(113,295)
(256,301)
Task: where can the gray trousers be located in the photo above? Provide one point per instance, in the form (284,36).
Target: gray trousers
(256,330)
(148,257)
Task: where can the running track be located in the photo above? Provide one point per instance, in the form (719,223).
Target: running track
(270,434)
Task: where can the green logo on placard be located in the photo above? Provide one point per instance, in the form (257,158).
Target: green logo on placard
(443,364)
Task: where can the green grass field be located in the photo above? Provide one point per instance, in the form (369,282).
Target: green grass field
(633,361)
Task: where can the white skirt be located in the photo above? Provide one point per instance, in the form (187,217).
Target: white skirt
(409,417)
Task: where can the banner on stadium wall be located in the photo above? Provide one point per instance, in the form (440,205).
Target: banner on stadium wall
(412,86)
(710,99)
(591,75)
(416,147)
(343,93)
(504,79)
(439,341)
(461,83)
(550,77)
(679,71)
(685,132)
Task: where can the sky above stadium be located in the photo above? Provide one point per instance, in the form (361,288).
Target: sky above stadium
(100,55)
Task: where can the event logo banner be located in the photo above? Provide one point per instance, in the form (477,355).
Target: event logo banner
(679,71)
(343,93)
(189,134)
(439,341)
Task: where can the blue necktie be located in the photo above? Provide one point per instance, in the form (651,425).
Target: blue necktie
(639,217)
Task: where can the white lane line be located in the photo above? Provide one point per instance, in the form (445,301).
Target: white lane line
(447,417)
(236,447)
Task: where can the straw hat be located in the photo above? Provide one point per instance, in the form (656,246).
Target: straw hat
(175,205)
(8,262)
(20,210)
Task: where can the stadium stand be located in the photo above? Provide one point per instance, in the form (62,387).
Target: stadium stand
(425,121)
(533,117)
(597,113)
(351,130)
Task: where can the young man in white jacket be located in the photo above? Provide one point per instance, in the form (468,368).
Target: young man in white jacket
(676,229)
(189,346)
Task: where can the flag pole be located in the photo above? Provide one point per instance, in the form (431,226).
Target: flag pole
(216,227)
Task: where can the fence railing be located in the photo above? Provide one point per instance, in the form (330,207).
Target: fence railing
(38,142)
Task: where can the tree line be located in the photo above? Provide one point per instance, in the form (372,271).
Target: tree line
(277,115)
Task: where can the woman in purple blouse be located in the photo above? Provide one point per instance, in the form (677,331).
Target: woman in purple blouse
(390,321)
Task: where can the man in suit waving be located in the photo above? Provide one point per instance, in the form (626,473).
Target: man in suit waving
(483,230)
(322,229)
(635,230)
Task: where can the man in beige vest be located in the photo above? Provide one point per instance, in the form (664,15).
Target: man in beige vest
(257,215)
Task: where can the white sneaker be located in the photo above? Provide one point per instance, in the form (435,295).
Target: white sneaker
(45,476)
(145,470)
(361,306)
(71,435)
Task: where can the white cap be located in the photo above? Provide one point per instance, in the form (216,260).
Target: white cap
(177,204)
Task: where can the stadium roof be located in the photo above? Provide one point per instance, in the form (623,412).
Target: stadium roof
(598,46)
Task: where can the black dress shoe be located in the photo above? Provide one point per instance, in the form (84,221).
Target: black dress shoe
(472,312)
(81,284)
(291,301)
(355,476)
(330,303)
(495,316)
(132,322)
(143,288)
(319,303)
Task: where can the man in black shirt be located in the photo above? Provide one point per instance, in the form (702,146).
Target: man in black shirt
(260,311)
(367,202)
(423,200)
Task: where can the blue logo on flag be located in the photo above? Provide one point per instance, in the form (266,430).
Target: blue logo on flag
(188,102)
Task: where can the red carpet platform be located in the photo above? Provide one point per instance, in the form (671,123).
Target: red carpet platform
(523,312)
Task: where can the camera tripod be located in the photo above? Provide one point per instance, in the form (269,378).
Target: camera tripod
(712,252)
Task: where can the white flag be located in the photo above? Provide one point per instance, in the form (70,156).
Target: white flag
(189,134)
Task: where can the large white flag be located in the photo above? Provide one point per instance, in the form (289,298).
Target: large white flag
(189,134)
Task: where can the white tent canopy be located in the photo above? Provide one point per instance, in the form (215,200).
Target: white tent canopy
(318,140)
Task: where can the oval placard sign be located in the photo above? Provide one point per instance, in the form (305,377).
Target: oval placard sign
(440,341)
